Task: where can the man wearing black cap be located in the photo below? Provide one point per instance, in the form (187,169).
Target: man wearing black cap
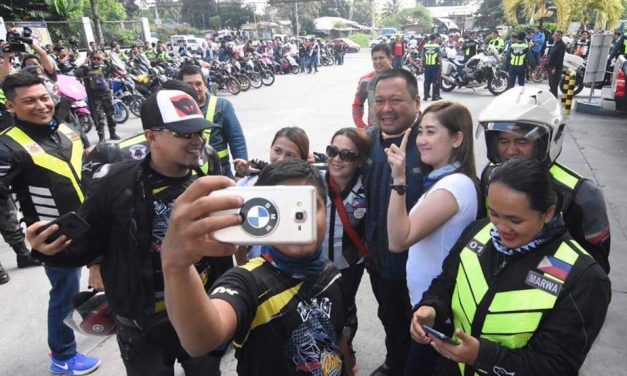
(128,212)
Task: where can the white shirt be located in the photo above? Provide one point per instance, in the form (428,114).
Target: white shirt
(425,258)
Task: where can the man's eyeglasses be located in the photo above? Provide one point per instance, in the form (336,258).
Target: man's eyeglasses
(345,155)
(187,136)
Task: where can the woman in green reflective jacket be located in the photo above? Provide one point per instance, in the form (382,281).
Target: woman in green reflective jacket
(524,297)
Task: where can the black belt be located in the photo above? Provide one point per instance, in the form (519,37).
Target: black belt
(142,324)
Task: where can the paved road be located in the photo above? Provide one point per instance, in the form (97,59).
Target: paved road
(320,104)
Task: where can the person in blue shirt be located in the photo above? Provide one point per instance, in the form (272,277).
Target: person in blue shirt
(537,38)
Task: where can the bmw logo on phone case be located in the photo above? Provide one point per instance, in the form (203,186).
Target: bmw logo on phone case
(260,216)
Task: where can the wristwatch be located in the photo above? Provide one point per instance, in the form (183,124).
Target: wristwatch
(399,188)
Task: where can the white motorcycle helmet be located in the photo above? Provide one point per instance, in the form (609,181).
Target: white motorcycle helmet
(529,112)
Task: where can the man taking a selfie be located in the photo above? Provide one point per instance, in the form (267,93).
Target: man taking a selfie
(128,211)
(282,310)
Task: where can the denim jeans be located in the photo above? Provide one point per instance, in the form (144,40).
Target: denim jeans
(397,62)
(65,284)
(516,74)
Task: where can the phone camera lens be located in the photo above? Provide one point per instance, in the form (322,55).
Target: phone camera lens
(299,215)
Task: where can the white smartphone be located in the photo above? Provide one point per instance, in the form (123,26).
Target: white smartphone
(281,214)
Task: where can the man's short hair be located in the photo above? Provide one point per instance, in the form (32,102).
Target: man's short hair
(410,80)
(17,80)
(381,47)
(181,86)
(28,57)
(293,169)
(190,70)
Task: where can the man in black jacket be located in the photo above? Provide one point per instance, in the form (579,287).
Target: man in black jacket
(128,211)
(40,160)
(555,62)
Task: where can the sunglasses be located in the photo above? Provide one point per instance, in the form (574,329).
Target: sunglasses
(345,155)
(187,136)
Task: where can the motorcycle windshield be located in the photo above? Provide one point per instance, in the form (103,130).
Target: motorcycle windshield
(143,59)
(117,63)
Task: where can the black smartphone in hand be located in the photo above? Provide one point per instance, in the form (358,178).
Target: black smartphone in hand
(70,224)
(441,336)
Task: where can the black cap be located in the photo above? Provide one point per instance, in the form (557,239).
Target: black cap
(174,110)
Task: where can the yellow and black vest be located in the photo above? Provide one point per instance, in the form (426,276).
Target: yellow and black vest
(49,182)
(625,43)
(432,53)
(518,54)
(497,43)
(510,317)
(214,135)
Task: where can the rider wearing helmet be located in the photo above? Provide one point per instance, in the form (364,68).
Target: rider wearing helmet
(528,122)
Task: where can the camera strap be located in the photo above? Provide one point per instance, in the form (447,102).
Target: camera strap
(348,227)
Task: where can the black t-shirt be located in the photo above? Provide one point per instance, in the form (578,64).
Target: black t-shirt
(164,190)
(284,326)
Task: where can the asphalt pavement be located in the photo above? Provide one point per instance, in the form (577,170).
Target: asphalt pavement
(320,103)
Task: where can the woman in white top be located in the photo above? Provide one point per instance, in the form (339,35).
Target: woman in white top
(449,204)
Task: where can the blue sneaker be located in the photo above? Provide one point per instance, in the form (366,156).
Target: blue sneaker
(79,364)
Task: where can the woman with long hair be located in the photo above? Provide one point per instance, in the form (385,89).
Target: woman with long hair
(449,204)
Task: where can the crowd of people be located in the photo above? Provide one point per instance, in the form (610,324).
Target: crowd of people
(511,264)
(525,52)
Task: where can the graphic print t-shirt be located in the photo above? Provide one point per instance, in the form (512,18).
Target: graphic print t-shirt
(282,329)
(164,190)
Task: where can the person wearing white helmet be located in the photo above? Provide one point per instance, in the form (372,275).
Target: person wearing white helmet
(528,122)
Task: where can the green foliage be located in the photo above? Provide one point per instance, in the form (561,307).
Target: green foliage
(307,13)
(362,12)
(335,8)
(108,10)
(517,29)
(361,39)
(61,10)
(419,16)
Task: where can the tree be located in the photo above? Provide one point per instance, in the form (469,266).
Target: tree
(307,12)
(362,12)
(419,16)
(108,10)
(490,14)
(17,10)
(604,13)
(61,10)
(392,8)
(335,8)
(193,11)
(234,14)
(538,10)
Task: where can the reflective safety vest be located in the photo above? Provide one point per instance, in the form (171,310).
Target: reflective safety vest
(497,43)
(3,98)
(625,43)
(519,54)
(49,182)
(215,139)
(432,52)
(512,316)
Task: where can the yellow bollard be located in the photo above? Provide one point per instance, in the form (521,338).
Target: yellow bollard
(568,91)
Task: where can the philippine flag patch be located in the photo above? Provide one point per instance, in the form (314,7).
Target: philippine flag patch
(555,267)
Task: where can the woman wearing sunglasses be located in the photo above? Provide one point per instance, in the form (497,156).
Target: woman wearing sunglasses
(346,215)
(449,204)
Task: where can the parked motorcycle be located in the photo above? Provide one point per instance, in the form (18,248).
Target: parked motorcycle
(72,89)
(123,86)
(481,69)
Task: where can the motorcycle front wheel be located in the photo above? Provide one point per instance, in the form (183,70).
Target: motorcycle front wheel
(120,111)
(255,80)
(135,105)
(267,78)
(498,84)
(447,86)
(295,69)
(85,122)
(233,86)
(244,82)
